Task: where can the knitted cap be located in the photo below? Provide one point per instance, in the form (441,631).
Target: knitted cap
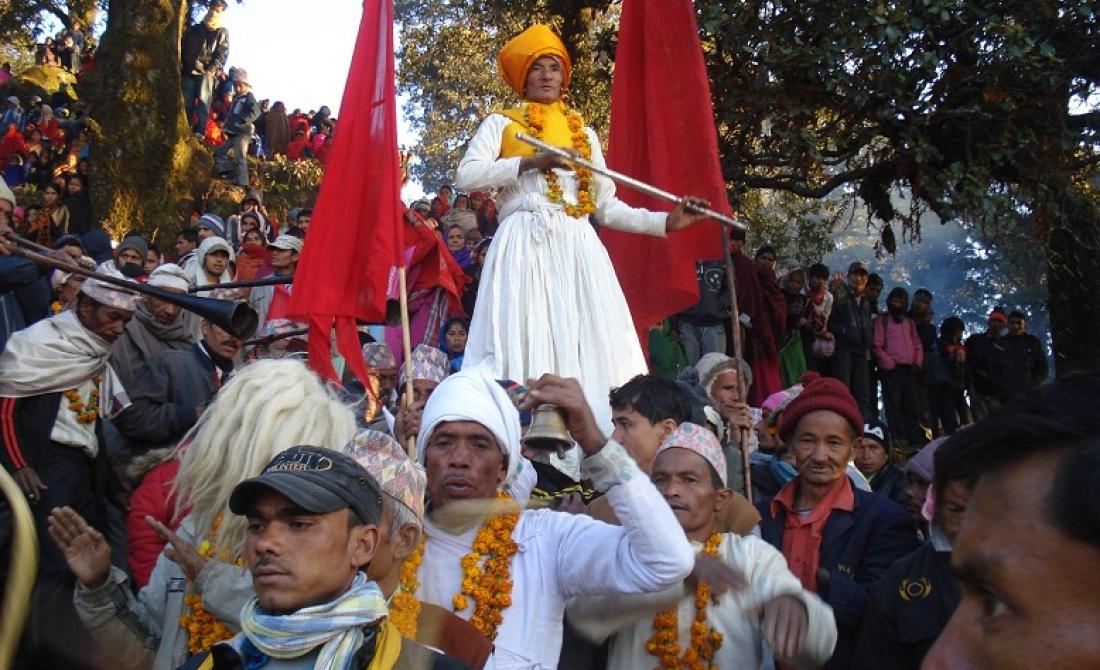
(921,465)
(821,394)
(213,222)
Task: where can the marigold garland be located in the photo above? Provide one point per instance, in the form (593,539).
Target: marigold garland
(56,307)
(86,412)
(204,630)
(665,641)
(586,198)
(404,605)
(488,583)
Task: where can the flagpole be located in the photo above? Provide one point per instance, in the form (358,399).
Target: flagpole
(406,346)
(735,323)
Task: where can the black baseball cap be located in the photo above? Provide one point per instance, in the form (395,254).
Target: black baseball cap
(319,480)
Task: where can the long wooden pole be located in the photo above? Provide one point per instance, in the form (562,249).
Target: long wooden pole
(406,346)
(735,324)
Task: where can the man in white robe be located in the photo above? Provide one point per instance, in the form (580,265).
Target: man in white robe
(469,444)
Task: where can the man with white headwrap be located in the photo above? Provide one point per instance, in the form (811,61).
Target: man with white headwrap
(158,325)
(56,386)
(510,572)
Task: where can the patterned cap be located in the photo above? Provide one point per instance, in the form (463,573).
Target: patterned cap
(399,476)
(378,356)
(276,327)
(109,294)
(428,363)
(700,440)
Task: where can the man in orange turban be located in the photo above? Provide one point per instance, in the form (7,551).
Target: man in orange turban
(521,52)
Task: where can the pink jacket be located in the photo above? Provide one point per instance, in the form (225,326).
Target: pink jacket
(896,343)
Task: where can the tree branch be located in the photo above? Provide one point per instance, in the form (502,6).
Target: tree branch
(800,188)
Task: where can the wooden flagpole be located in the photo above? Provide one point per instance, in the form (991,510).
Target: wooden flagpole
(406,346)
(735,323)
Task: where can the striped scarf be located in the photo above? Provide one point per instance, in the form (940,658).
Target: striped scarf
(337,625)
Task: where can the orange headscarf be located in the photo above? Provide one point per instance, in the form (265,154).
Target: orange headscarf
(521,52)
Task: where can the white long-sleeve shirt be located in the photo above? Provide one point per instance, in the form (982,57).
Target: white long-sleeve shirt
(562,556)
(630,618)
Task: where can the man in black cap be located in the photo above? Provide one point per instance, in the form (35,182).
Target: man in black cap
(850,324)
(313,517)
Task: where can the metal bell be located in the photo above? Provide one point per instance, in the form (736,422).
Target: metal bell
(547,431)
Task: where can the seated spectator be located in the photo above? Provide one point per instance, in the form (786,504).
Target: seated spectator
(186,242)
(872,457)
(210,225)
(173,388)
(918,471)
(837,539)
(430,366)
(725,381)
(740,571)
(158,325)
(452,340)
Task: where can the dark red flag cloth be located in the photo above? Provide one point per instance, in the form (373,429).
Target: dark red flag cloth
(355,235)
(662,132)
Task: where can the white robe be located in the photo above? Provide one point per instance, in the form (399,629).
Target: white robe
(565,555)
(630,618)
(549,300)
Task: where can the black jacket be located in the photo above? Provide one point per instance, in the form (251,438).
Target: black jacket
(891,482)
(850,321)
(242,114)
(713,307)
(857,547)
(908,609)
(168,389)
(203,50)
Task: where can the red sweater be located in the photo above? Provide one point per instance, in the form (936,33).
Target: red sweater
(153,498)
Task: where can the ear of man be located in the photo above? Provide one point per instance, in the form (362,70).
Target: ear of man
(362,543)
(407,540)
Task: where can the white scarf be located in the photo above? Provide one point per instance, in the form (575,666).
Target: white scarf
(58,354)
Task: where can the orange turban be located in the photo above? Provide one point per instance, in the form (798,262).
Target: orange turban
(521,52)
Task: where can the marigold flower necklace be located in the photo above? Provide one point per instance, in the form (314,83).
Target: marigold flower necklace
(586,198)
(86,412)
(204,630)
(705,641)
(489,584)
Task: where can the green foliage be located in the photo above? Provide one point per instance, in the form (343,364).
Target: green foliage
(28,20)
(448,71)
(287,184)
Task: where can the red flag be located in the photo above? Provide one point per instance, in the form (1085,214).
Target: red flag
(662,132)
(355,235)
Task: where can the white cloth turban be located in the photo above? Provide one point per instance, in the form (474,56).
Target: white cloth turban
(473,395)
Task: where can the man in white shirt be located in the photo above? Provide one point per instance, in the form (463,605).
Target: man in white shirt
(510,572)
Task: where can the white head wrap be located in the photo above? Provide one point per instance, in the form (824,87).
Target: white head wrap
(473,395)
(170,276)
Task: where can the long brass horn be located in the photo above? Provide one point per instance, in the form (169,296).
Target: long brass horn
(235,318)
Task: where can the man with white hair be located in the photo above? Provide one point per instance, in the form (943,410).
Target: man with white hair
(56,386)
(510,572)
(195,593)
(157,326)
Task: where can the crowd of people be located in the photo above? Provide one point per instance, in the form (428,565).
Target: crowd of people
(205,500)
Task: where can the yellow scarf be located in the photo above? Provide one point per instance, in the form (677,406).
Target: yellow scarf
(555,129)
(387,648)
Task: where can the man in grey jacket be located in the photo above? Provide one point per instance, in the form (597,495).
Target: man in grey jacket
(173,387)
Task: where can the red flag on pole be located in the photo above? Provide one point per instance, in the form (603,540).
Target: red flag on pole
(662,132)
(355,237)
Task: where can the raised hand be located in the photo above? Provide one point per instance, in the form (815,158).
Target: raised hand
(567,395)
(85,549)
(178,550)
(718,575)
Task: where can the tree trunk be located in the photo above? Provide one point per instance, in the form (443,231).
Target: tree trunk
(145,165)
(1073,283)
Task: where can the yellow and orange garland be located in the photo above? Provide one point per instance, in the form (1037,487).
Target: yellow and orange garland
(203,628)
(586,197)
(489,584)
(665,642)
(86,412)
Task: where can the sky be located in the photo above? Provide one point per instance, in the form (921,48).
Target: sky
(299,52)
